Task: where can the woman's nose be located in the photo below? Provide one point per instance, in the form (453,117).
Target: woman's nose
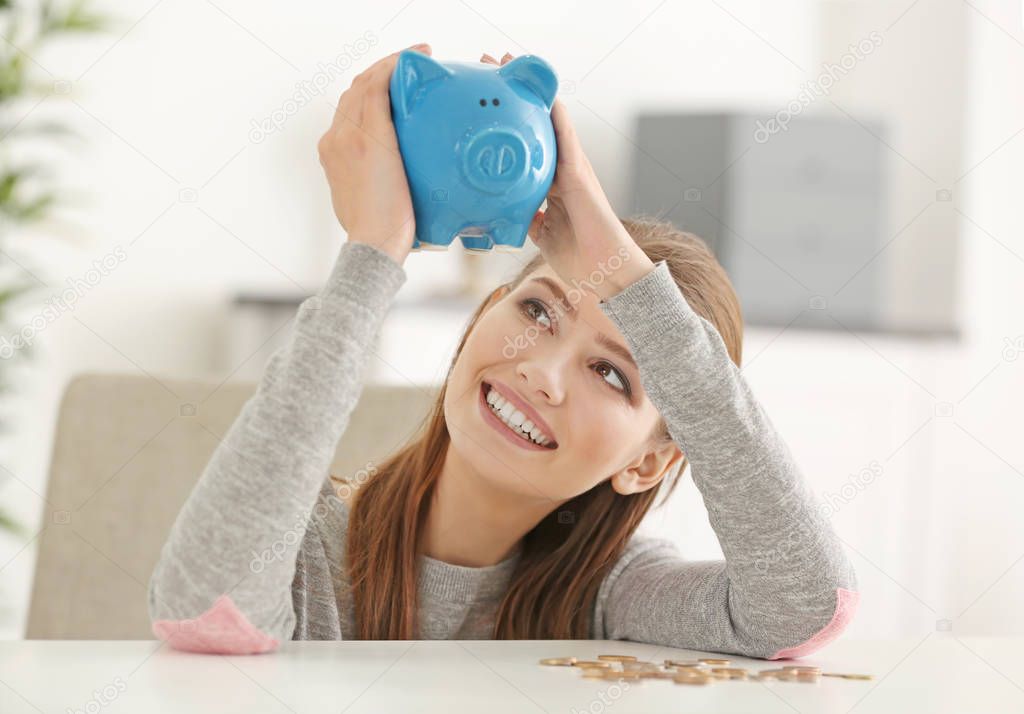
(545,381)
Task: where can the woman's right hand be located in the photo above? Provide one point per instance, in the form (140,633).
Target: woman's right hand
(360,156)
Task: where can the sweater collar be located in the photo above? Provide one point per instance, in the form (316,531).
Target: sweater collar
(465,584)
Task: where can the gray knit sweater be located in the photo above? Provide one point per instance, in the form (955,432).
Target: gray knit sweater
(255,554)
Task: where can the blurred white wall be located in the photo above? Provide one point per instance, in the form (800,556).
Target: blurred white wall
(173,175)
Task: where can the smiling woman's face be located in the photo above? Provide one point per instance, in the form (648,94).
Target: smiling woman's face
(567,371)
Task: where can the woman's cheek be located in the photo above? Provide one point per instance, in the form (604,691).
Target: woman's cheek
(499,337)
(605,439)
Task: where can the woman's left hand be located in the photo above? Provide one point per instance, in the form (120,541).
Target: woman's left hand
(579,232)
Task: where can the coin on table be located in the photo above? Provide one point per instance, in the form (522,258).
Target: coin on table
(692,678)
(638,664)
(802,668)
(657,674)
(559,661)
(709,660)
(682,663)
(848,676)
(807,676)
(617,658)
(632,675)
(593,672)
(699,673)
(773,674)
(591,663)
(730,672)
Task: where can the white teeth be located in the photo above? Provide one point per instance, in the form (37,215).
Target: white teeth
(516,420)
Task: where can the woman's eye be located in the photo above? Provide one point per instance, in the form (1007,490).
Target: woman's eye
(534,309)
(537,312)
(619,382)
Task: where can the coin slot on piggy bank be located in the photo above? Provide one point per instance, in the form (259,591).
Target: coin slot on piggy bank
(478,147)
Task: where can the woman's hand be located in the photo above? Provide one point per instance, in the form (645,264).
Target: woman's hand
(579,232)
(360,156)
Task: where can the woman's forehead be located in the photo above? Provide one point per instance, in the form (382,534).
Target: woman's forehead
(582,306)
(575,295)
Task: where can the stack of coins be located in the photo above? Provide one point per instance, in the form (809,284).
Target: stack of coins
(730,672)
(792,673)
(694,672)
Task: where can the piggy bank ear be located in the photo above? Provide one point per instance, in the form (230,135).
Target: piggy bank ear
(536,74)
(413,71)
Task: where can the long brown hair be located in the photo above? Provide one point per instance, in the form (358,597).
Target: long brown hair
(567,556)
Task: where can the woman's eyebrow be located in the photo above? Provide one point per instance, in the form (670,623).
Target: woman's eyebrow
(602,339)
(558,293)
(612,346)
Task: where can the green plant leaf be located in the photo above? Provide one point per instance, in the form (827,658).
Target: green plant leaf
(77,18)
(12,76)
(10,293)
(11,179)
(34,209)
(10,524)
(41,128)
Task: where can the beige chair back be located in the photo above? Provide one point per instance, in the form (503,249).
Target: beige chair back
(127,452)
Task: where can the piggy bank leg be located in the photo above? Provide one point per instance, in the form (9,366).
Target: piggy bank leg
(476,244)
(438,237)
(509,238)
(416,245)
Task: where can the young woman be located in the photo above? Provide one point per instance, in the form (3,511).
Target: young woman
(579,391)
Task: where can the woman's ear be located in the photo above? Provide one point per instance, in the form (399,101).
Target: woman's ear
(648,470)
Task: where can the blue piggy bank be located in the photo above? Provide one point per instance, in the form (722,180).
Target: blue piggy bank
(478,147)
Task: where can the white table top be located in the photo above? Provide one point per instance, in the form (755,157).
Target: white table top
(937,673)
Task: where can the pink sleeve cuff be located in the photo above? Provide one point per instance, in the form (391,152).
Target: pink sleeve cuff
(846,605)
(223,629)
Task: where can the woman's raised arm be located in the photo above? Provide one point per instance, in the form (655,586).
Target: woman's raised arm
(785,588)
(223,581)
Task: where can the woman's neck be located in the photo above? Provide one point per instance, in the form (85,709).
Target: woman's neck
(470,523)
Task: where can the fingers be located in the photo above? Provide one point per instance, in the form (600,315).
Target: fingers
(377,101)
(552,224)
(536,224)
(370,87)
(387,64)
(487,59)
(569,149)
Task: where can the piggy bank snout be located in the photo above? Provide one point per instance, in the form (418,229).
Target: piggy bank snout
(495,159)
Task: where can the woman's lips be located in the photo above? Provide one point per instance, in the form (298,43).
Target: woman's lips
(492,419)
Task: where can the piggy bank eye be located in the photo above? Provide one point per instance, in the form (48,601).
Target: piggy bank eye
(494,101)
(483,102)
